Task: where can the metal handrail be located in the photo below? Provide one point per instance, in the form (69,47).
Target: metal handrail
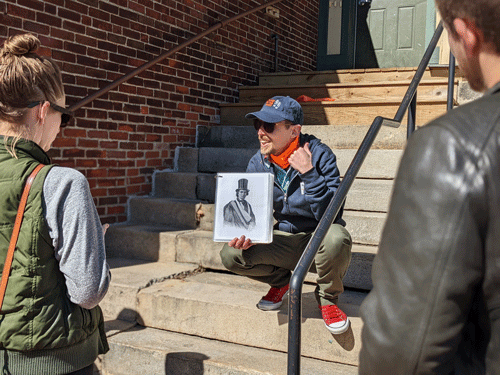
(307,258)
(164,55)
(451,80)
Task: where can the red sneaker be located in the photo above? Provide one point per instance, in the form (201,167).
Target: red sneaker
(273,299)
(336,320)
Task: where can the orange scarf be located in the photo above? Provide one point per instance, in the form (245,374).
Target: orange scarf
(282,159)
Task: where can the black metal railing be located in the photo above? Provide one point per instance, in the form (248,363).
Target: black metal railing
(166,54)
(305,262)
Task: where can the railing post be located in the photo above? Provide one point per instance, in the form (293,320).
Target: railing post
(412,116)
(451,81)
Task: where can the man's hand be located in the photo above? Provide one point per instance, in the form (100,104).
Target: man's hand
(301,159)
(241,243)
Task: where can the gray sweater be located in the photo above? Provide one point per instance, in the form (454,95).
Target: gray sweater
(77,235)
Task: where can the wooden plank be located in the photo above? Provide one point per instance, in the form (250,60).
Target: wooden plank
(354,75)
(337,112)
(428,90)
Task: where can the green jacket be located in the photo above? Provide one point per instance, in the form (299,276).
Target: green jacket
(41,330)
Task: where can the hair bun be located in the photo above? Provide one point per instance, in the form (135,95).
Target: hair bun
(20,45)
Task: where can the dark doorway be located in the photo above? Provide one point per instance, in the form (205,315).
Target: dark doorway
(372,34)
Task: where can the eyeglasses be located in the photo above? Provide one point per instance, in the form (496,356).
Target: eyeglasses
(268,126)
(66,113)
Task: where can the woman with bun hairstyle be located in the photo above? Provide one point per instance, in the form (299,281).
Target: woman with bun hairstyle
(50,321)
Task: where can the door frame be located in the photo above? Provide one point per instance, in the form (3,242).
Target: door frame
(346,58)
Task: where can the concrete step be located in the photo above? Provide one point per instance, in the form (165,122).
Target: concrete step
(364,195)
(365,227)
(157,352)
(128,277)
(336,137)
(339,112)
(198,247)
(352,75)
(389,90)
(378,163)
(223,307)
(213,160)
(179,213)
(227,136)
(146,242)
(184,185)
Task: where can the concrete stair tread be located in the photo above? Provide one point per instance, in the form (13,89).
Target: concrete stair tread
(178,212)
(364,195)
(198,247)
(379,163)
(336,137)
(165,244)
(155,351)
(146,241)
(140,273)
(228,303)
(129,276)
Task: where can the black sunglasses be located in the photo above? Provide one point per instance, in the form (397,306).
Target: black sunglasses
(268,126)
(66,113)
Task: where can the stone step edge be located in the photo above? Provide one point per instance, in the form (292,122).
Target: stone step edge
(151,350)
(183,305)
(357,247)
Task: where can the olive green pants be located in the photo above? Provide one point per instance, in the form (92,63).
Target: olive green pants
(272,263)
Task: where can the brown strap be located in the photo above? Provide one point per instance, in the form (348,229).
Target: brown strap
(15,233)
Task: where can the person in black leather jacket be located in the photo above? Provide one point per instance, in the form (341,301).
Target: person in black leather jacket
(435,304)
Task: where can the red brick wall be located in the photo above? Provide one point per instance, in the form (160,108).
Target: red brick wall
(119,139)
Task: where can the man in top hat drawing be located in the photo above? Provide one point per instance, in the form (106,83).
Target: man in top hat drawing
(238,212)
(306,178)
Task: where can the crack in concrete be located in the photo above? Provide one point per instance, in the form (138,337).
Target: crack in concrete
(178,276)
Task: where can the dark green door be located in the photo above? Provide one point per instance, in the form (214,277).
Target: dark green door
(336,25)
(387,33)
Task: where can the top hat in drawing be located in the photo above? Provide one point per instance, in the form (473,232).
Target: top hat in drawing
(243,184)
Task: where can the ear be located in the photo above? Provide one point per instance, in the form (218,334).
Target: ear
(469,36)
(43,111)
(296,130)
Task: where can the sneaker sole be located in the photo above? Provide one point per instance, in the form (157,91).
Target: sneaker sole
(339,330)
(272,307)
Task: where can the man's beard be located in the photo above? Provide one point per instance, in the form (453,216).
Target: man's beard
(473,74)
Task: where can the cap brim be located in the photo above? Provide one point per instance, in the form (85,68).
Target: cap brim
(264,116)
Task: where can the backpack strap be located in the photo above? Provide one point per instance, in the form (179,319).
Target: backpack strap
(15,232)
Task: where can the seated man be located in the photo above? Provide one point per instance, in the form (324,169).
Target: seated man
(306,178)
